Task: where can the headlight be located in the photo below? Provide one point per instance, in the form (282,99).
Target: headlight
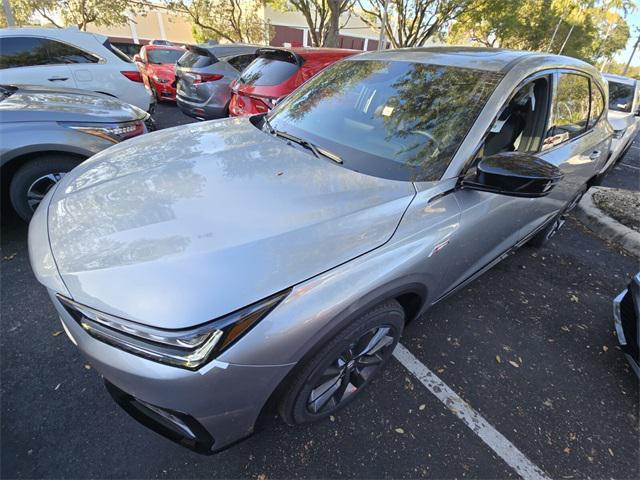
(190,348)
(160,80)
(618,134)
(114,132)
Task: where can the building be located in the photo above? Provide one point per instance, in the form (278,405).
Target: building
(290,29)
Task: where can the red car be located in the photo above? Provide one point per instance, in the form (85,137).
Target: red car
(276,73)
(156,64)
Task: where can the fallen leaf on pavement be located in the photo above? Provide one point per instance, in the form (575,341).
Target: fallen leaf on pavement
(422,407)
(399,430)
(574,298)
(498,358)
(605,348)
(55,334)
(514,364)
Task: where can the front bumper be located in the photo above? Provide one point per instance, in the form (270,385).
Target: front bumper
(164,91)
(219,403)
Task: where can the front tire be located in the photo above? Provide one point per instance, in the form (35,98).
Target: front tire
(34,179)
(333,377)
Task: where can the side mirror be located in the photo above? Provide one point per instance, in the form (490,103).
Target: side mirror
(137,58)
(514,174)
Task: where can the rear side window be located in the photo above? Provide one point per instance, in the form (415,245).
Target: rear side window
(63,53)
(620,97)
(119,53)
(597,105)
(240,62)
(570,109)
(267,71)
(196,58)
(22,52)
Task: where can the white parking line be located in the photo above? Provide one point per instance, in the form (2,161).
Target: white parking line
(622,164)
(461,409)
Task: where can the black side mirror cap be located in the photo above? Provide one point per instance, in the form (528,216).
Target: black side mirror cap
(515,174)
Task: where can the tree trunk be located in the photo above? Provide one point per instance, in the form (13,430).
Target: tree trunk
(333,27)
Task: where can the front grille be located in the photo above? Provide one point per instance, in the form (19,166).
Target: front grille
(629,320)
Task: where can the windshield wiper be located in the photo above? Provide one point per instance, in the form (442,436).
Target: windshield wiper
(317,151)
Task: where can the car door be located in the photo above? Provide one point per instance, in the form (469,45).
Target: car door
(571,143)
(490,223)
(29,60)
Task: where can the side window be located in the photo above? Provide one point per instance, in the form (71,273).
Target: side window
(570,111)
(519,127)
(22,52)
(240,62)
(63,53)
(597,105)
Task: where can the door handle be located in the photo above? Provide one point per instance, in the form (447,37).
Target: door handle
(595,155)
(58,79)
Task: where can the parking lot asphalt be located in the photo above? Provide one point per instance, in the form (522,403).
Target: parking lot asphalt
(529,345)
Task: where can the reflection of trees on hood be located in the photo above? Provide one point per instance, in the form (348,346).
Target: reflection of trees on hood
(438,100)
(336,79)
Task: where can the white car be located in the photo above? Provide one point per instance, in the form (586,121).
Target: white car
(70,58)
(624,111)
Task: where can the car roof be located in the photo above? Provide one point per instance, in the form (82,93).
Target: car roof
(619,78)
(310,52)
(163,47)
(49,32)
(480,58)
(226,49)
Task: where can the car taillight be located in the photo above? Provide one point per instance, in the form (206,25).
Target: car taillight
(133,76)
(205,77)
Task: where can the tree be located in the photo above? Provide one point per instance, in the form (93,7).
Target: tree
(323,19)
(586,29)
(230,20)
(413,22)
(80,13)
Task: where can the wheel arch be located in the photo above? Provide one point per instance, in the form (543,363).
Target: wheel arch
(412,296)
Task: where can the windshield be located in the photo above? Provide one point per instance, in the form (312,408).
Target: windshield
(620,96)
(398,120)
(267,71)
(164,56)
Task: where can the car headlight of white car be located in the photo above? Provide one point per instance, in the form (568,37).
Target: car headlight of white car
(187,348)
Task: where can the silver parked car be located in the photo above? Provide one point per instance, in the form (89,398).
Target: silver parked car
(47,131)
(624,114)
(257,260)
(204,74)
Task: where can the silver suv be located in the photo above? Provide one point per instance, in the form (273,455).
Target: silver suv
(45,132)
(204,74)
(238,262)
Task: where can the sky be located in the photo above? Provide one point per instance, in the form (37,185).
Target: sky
(634,23)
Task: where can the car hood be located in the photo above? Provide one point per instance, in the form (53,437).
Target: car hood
(162,70)
(42,104)
(181,226)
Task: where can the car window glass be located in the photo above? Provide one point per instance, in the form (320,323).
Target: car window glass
(267,71)
(570,112)
(597,105)
(240,62)
(131,49)
(22,52)
(160,56)
(392,119)
(620,96)
(195,58)
(519,125)
(62,53)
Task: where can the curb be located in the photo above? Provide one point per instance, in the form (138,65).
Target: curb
(604,226)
